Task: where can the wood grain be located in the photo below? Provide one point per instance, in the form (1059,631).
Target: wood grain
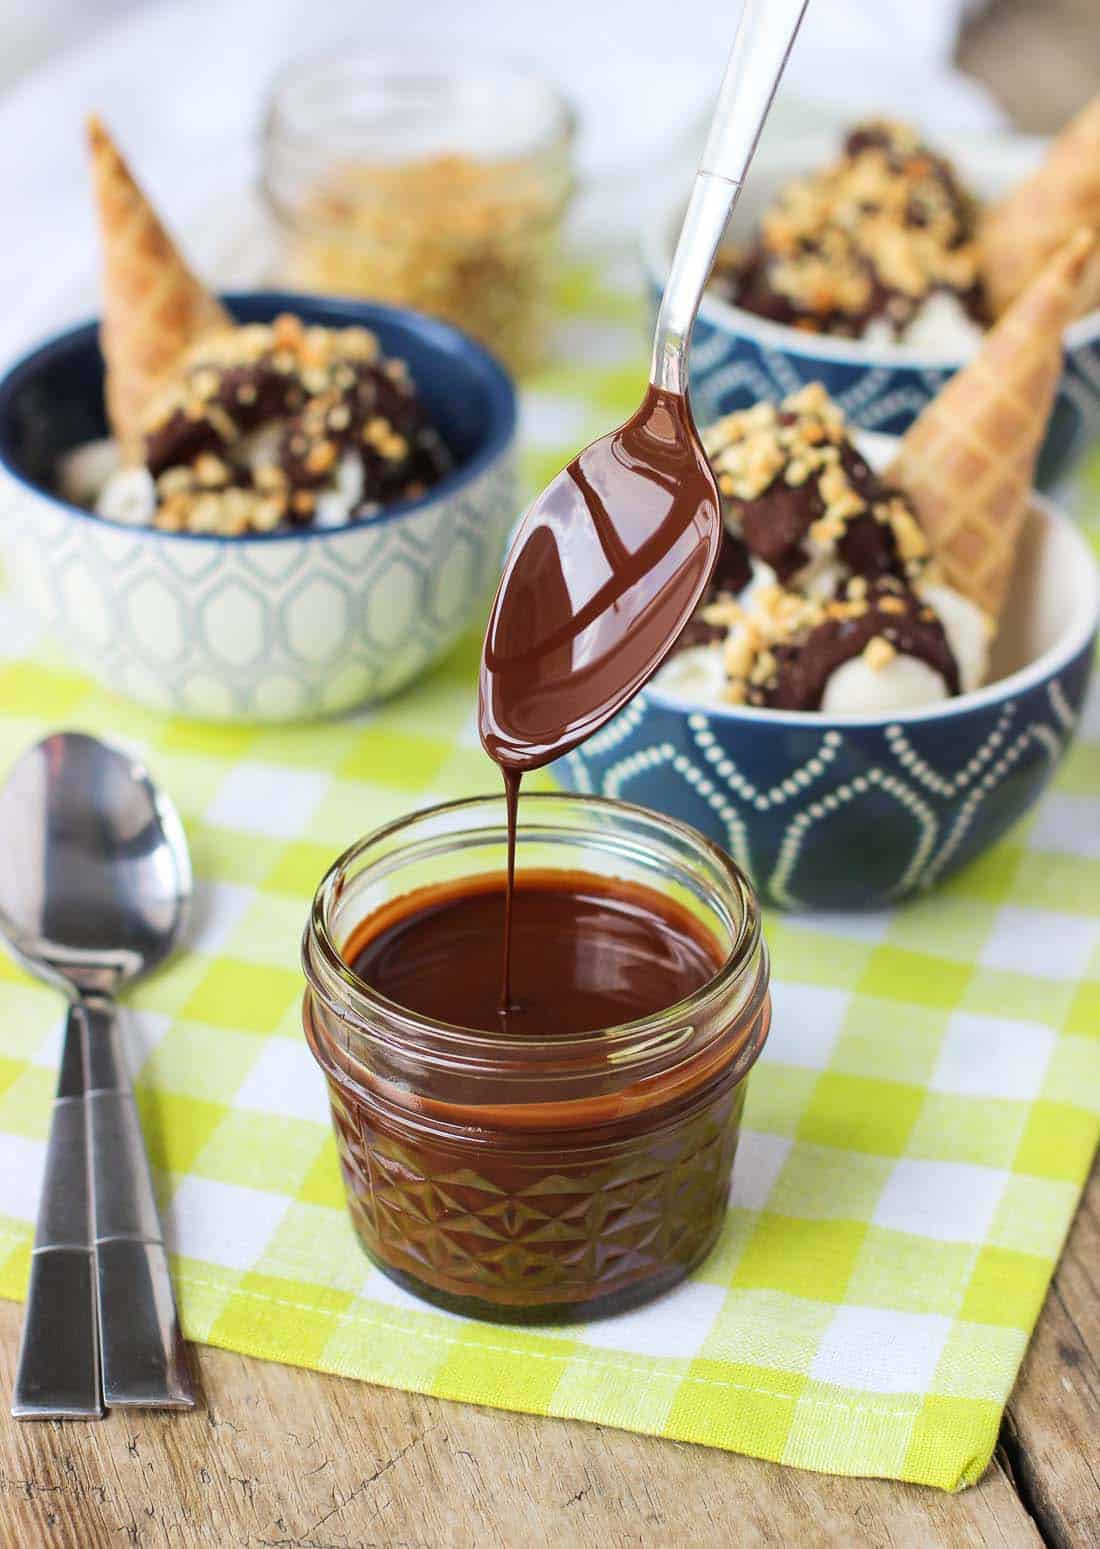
(288,1459)
(1051,1436)
(278,1458)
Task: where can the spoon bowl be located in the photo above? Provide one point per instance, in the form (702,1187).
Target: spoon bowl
(96,885)
(606,569)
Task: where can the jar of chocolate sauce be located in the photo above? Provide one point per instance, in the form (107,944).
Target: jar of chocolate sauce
(566,1155)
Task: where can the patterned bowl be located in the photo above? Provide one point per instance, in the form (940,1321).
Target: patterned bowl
(826,812)
(276,626)
(738,358)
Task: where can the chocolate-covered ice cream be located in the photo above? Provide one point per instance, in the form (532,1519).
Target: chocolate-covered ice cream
(826,594)
(861,247)
(278,425)
(265,419)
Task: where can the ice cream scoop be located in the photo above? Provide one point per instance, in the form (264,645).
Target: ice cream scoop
(838,604)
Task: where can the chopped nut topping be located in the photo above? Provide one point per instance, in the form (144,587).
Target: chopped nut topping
(827,532)
(723,612)
(466,237)
(321,457)
(210,470)
(878,653)
(886,216)
(204,384)
(269,477)
(751,447)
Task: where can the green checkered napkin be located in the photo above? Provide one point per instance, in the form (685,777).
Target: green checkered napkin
(916,1136)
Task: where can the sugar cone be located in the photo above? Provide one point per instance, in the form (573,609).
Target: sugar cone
(968,461)
(154,308)
(1021,231)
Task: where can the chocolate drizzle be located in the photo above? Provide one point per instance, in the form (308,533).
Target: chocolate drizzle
(777,523)
(893,614)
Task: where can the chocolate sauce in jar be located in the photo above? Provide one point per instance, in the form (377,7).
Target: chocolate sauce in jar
(587,952)
(557,1139)
(574,1161)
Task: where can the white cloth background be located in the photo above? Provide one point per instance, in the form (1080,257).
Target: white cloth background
(182,83)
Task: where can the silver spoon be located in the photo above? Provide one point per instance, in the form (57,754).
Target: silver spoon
(94,892)
(614,556)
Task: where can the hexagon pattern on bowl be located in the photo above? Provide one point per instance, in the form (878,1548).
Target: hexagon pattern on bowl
(263,630)
(732,369)
(848,818)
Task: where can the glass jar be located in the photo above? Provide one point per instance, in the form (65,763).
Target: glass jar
(544,1179)
(423,182)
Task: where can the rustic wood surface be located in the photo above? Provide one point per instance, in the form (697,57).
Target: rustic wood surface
(277,1458)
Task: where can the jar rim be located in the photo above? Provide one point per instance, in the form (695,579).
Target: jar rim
(477,1046)
(411,62)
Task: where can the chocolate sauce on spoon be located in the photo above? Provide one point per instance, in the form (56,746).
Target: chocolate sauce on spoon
(615,554)
(605,572)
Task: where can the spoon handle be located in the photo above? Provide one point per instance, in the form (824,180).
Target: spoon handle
(765,36)
(58,1373)
(139,1334)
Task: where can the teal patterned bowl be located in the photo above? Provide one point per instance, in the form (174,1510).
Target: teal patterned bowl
(267,627)
(859,812)
(738,358)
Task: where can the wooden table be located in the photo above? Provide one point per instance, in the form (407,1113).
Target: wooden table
(277,1458)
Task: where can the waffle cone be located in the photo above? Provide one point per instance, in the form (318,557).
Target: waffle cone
(1021,232)
(968,461)
(154,307)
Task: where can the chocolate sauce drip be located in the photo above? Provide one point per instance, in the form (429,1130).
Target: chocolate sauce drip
(634,520)
(512,778)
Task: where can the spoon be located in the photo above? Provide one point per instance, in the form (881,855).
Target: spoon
(614,556)
(94,892)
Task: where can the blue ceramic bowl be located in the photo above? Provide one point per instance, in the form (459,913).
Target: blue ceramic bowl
(738,358)
(269,626)
(825,812)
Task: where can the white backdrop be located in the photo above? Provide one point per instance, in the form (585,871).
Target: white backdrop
(182,82)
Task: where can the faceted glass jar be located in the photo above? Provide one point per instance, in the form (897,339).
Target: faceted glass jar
(425,182)
(547,1179)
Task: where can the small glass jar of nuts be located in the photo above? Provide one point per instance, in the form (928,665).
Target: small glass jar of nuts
(424,183)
